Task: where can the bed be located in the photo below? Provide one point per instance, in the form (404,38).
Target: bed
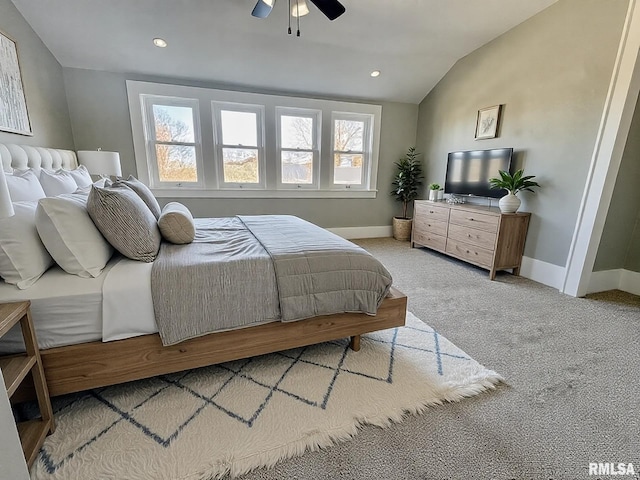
(102,331)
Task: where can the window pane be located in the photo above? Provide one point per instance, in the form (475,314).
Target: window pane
(239,128)
(176,163)
(347,169)
(348,135)
(240,165)
(297,167)
(173,124)
(296,132)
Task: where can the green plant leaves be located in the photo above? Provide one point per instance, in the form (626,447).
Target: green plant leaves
(408,178)
(514,183)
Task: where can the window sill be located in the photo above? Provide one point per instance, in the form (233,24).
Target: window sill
(245,193)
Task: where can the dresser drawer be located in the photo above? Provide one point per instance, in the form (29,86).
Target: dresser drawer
(437,242)
(470,253)
(428,225)
(481,221)
(479,238)
(428,211)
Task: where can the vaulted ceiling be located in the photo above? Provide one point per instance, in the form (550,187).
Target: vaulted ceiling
(412,42)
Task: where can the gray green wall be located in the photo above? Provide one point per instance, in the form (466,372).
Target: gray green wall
(551,73)
(100,118)
(620,241)
(43,85)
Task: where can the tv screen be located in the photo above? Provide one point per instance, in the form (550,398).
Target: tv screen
(468,172)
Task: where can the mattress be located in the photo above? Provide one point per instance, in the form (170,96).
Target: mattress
(67,309)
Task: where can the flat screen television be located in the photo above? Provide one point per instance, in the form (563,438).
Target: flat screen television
(468,172)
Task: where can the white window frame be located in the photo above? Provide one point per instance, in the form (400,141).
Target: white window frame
(216,108)
(316,118)
(153,174)
(365,176)
(207,157)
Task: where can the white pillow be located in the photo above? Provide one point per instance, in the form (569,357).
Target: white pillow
(81,176)
(86,190)
(70,236)
(23,257)
(57,183)
(24,187)
(20,171)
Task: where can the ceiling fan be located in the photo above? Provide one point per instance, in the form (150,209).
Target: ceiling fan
(331,8)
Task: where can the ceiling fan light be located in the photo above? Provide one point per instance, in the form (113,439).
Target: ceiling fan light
(299,8)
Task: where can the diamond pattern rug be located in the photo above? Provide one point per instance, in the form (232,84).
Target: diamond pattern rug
(232,418)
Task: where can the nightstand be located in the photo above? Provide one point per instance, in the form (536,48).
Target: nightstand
(15,368)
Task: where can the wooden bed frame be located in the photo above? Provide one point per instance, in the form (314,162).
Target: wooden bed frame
(96,364)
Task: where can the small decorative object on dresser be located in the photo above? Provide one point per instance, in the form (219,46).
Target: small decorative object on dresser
(475,234)
(512,184)
(405,188)
(434,190)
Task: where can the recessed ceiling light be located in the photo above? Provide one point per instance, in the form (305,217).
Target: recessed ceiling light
(159,42)
(375,73)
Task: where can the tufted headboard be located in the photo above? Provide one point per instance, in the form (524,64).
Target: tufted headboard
(26,156)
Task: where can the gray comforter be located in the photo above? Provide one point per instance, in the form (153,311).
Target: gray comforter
(249,270)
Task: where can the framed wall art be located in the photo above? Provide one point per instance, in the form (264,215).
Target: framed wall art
(14,117)
(487,123)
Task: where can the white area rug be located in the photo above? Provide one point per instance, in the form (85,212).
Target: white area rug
(251,413)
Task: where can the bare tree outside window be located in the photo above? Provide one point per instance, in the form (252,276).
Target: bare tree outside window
(175,144)
(296,141)
(348,151)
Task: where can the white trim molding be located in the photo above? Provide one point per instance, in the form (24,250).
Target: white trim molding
(542,272)
(607,155)
(618,279)
(351,233)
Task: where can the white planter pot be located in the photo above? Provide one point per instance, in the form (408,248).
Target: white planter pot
(509,203)
(433,195)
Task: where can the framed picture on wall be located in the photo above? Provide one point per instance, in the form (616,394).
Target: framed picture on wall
(14,117)
(487,123)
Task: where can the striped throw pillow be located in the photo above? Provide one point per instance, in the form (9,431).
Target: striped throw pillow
(125,221)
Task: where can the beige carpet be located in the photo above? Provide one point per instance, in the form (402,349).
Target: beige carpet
(572,392)
(235,417)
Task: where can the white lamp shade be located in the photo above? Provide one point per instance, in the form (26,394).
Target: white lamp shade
(299,8)
(99,162)
(6,207)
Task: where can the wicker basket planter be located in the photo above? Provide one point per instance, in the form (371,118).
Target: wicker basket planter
(402,229)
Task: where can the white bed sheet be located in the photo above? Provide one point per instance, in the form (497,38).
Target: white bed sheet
(67,309)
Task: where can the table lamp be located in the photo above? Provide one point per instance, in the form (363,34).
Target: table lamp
(99,162)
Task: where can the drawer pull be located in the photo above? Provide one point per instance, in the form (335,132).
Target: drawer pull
(430,211)
(470,219)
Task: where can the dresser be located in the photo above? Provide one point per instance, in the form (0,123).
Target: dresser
(476,234)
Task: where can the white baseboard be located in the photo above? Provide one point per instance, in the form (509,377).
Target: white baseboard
(618,279)
(536,270)
(362,232)
(542,272)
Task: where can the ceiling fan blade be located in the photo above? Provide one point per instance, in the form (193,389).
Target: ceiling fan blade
(263,8)
(331,8)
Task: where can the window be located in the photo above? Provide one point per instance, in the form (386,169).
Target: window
(173,141)
(351,149)
(298,152)
(201,142)
(239,146)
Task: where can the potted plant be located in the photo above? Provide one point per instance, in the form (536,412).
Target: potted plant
(512,184)
(405,188)
(434,188)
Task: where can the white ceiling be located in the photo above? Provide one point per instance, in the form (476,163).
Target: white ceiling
(412,42)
